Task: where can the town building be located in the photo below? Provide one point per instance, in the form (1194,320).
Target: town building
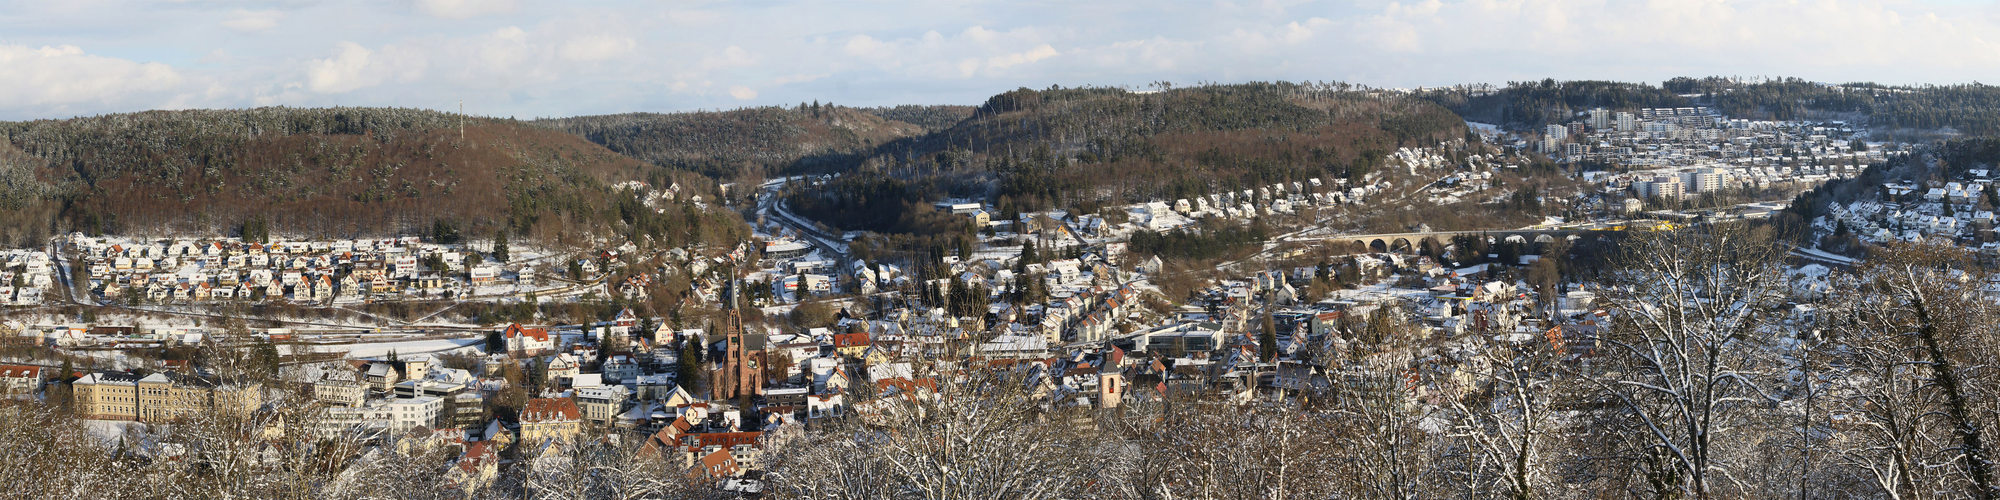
(159,397)
(545,419)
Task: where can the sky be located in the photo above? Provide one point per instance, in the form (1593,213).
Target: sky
(529,59)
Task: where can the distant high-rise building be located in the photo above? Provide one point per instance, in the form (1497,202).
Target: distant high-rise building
(1600,118)
(1666,186)
(1705,180)
(1553,139)
(1627,122)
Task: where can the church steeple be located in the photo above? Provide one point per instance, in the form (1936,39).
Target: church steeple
(739,372)
(729,291)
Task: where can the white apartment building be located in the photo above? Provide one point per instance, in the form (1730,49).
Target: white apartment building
(395,416)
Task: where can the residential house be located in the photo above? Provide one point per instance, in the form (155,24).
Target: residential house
(382,376)
(825,405)
(619,368)
(527,341)
(20,380)
(564,367)
(720,464)
(550,418)
(342,391)
(851,344)
(476,468)
(601,404)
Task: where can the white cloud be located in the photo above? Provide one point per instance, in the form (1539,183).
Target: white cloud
(57,79)
(356,67)
(252,20)
(868,47)
(464,9)
(730,57)
(1040,52)
(1854,37)
(974,51)
(502,50)
(550,58)
(597,47)
(797,78)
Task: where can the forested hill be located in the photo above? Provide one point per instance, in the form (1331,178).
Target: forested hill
(1529,105)
(1969,109)
(1972,109)
(1088,146)
(749,143)
(930,117)
(331,171)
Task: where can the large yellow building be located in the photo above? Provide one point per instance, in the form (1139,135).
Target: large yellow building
(550,418)
(158,397)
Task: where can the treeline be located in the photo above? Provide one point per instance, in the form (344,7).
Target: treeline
(1529,105)
(676,225)
(866,201)
(928,117)
(338,172)
(1083,148)
(1968,108)
(750,143)
(1213,240)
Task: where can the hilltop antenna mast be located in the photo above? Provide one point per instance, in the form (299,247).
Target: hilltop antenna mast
(461,120)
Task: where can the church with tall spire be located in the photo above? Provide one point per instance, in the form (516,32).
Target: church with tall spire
(740,370)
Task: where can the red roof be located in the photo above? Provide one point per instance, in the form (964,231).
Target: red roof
(718,464)
(516,330)
(857,339)
(906,385)
(669,436)
(476,456)
(725,440)
(19,371)
(550,410)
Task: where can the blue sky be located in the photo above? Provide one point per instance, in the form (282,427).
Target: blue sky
(546,58)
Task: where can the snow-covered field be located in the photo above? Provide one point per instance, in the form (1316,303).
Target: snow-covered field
(1484,129)
(433,346)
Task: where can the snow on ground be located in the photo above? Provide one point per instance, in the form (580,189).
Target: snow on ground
(110,432)
(1379,292)
(1826,256)
(115,360)
(1484,129)
(433,346)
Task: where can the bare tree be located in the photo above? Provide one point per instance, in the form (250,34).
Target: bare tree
(1210,449)
(1690,350)
(47,454)
(601,469)
(1920,341)
(1507,421)
(982,434)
